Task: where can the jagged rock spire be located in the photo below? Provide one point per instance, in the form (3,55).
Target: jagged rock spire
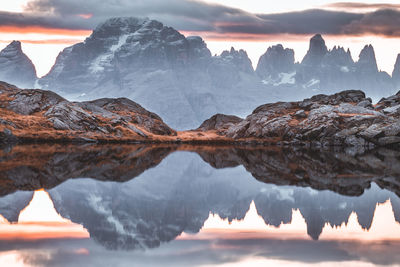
(396,70)
(316,51)
(367,60)
(15,67)
(276,60)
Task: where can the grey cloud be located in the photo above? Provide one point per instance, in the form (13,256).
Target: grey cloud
(182,14)
(304,22)
(382,22)
(353,5)
(197,16)
(26,20)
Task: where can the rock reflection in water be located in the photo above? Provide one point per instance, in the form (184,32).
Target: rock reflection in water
(178,195)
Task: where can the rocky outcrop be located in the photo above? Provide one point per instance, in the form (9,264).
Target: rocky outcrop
(343,119)
(219,122)
(347,118)
(129,112)
(16,67)
(39,115)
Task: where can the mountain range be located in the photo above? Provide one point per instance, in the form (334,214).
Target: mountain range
(178,78)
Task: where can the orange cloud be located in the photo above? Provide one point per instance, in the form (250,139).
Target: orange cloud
(43,30)
(361,6)
(46,41)
(85,16)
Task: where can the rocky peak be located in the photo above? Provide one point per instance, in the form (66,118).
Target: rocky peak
(198,47)
(118,26)
(396,70)
(367,60)
(14,46)
(339,57)
(115,33)
(276,60)
(16,67)
(128,42)
(238,58)
(316,51)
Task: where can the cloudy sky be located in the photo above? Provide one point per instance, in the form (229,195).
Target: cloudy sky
(47,26)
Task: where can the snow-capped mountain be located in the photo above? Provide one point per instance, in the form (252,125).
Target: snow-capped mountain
(16,67)
(161,69)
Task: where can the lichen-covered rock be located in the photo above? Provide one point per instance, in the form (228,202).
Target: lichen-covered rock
(220,122)
(343,119)
(28,101)
(67,116)
(43,115)
(388,102)
(131,112)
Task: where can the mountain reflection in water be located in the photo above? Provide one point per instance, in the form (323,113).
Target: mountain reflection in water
(214,206)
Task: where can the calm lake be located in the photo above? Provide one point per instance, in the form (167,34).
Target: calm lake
(161,205)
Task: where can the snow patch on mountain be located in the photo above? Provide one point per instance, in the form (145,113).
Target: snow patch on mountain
(312,82)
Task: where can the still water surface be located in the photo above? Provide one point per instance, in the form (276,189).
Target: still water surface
(198,206)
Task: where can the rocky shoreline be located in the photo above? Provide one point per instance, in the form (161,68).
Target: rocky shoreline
(345,119)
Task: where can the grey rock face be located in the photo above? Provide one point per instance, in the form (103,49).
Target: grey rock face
(275,61)
(335,120)
(396,72)
(239,59)
(323,71)
(125,111)
(26,102)
(389,102)
(219,121)
(329,71)
(367,60)
(68,116)
(16,67)
(316,51)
